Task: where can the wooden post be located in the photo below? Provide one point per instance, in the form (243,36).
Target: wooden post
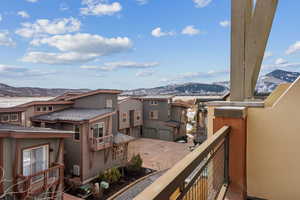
(250,29)
(237,120)
(257,38)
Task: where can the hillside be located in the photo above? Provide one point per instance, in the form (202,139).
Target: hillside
(6,90)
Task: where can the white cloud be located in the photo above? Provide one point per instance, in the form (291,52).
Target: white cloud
(77,48)
(23,14)
(45,26)
(142,2)
(280,61)
(121,65)
(1,18)
(100,7)
(268,54)
(202,3)
(225,23)
(57,58)
(10,71)
(32,1)
(157,32)
(293,48)
(190,30)
(5,39)
(145,73)
(86,43)
(196,75)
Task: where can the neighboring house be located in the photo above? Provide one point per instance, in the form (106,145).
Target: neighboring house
(130,116)
(31,158)
(163,119)
(96,145)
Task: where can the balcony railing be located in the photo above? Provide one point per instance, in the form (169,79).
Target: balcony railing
(102,142)
(201,175)
(40,182)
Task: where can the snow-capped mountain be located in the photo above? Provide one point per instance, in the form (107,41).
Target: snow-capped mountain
(270,81)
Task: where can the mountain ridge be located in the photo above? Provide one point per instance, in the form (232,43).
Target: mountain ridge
(266,84)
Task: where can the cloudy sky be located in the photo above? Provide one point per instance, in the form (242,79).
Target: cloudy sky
(129,43)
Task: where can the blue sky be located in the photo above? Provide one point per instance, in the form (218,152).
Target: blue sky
(127,44)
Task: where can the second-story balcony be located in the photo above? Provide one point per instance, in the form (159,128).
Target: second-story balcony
(101,142)
(44,182)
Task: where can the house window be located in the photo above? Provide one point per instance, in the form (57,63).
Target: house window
(14,117)
(124,117)
(38,109)
(153,103)
(44,108)
(109,103)
(5,118)
(76,132)
(98,130)
(138,115)
(35,160)
(153,114)
(50,108)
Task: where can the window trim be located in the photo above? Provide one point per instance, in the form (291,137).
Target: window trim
(126,117)
(8,118)
(111,103)
(39,109)
(138,115)
(50,107)
(153,118)
(14,120)
(35,147)
(74,129)
(104,129)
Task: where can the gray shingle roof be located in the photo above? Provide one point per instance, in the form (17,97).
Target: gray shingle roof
(21,129)
(73,114)
(120,138)
(157,97)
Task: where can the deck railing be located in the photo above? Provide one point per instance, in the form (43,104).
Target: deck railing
(40,182)
(102,142)
(201,175)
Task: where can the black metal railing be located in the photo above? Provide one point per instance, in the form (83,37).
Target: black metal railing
(201,175)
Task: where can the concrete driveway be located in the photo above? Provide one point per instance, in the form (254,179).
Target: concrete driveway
(158,154)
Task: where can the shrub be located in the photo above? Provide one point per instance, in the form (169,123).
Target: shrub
(135,164)
(111,175)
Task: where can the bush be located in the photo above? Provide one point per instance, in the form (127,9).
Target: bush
(111,175)
(135,164)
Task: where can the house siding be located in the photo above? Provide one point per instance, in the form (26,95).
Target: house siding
(95,162)
(96,101)
(125,107)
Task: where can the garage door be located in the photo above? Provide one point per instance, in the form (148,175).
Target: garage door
(149,133)
(165,135)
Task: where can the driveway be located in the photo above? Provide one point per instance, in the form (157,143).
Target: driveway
(158,154)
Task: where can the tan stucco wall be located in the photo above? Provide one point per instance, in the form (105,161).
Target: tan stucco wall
(273,135)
